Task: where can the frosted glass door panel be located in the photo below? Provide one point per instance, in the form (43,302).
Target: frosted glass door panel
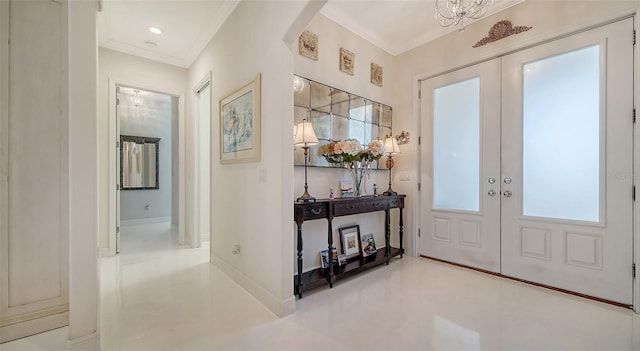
(456,146)
(561,136)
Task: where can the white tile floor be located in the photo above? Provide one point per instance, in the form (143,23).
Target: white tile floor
(157,295)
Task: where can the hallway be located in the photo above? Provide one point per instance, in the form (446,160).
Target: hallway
(158,295)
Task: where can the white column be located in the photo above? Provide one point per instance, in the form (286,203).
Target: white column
(83,174)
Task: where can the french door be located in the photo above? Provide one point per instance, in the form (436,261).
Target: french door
(528,165)
(461,173)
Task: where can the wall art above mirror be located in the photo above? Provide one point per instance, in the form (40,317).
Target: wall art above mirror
(139,163)
(338,115)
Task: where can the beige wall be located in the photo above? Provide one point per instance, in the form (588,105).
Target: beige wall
(255,214)
(331,37)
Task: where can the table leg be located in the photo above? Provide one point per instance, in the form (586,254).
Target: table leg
(330,277)
(401,232)
(387,234)
(299,283)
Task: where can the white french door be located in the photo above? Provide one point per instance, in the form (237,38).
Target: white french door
(461,174)
(564,131)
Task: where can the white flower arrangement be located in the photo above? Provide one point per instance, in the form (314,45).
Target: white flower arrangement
(349,151)
(350,154)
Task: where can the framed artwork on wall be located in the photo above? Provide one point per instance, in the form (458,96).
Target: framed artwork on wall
(240,124)
(376,74)
(308,45)
(347,61)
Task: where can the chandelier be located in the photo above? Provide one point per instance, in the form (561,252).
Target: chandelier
(454,12)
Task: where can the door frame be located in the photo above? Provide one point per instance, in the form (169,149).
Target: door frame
(417,111)
(195,240)
(110,145)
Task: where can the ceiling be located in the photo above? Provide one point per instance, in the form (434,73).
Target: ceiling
(188,25)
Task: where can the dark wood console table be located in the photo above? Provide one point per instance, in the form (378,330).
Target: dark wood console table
(328,209)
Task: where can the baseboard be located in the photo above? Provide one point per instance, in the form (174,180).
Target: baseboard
(34,326)
(88,342)
(143,221)
(280,308)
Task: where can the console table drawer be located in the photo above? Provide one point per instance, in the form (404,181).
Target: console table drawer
(315,211)
(347,208)
(393,203)
(378,205)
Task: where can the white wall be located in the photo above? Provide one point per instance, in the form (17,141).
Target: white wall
(135,72)
(255,214)
(331,37)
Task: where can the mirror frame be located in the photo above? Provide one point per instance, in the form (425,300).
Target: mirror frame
(337,110)
(139,140)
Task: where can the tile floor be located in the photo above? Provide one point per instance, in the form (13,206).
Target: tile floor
(157,295)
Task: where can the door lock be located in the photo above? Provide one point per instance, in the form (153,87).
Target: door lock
(507,180)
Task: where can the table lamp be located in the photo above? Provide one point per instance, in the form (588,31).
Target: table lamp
(305,137)
(391,148)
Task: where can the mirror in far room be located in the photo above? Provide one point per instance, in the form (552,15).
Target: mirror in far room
(139,162)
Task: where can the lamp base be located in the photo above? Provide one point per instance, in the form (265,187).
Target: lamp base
(389,192)
(306,197)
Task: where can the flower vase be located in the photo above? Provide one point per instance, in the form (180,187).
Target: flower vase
(358,171)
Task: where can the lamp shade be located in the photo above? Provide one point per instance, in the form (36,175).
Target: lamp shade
(391,146)
(305,135)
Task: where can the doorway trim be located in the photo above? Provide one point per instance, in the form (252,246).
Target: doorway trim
(195,240)
(113,179)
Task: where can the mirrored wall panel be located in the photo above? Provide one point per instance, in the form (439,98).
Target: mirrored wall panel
(338,115)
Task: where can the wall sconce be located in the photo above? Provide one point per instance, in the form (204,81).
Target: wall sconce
(136,99)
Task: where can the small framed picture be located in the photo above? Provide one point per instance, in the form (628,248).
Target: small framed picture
(346,189)
(368,245)
(324,257)
(376,74)
(347,61)
(342,259)
(350,241)
(308,45)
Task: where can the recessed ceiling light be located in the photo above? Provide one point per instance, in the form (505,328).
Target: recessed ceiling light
(155,30)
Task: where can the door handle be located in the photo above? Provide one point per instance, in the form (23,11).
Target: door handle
(492,192)
(508,193)
(507,180)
